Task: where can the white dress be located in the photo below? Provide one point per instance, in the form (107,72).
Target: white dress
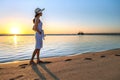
(39,37)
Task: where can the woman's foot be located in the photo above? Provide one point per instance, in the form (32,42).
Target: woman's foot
(32,62)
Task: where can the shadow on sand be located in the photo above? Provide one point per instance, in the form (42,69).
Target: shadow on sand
(36,70)
(43,66)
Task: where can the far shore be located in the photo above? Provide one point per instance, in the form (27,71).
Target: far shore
(61,34)
(104,65)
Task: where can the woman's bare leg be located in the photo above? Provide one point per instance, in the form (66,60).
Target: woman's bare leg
(38,54)
(38,57)
(33,55)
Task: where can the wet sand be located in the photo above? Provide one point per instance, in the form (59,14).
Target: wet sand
(103,65)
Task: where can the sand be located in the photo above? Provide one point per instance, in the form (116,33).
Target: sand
(103,65)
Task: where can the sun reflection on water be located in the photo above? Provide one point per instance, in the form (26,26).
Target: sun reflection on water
(15,40)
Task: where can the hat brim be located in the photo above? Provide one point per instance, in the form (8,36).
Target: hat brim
(41,10)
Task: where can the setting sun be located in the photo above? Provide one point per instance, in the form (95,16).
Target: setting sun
(14,30)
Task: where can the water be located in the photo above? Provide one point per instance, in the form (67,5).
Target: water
(14,48)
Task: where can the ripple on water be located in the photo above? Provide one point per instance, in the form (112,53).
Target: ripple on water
(19,47)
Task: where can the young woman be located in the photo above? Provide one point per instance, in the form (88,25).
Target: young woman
(39,35)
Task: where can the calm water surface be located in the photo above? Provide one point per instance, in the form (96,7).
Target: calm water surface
(21,47)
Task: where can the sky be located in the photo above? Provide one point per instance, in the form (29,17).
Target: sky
(60,16)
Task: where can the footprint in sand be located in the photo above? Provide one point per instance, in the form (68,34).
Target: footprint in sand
(12,79)
(1,68)
(88,58)
(23,65)
(68,59)
(117,54)
(16,77)
(102,56)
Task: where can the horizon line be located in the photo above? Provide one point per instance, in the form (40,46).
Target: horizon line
(63,34)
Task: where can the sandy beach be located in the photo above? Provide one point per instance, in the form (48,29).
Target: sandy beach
(103,65)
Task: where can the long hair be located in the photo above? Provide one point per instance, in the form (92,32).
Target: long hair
(35,17)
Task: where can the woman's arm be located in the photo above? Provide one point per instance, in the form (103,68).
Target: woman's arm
(36,25)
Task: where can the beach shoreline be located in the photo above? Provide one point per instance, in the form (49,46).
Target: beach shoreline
(73,67)
(8,62)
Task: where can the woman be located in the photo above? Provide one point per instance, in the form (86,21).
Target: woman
(39,35)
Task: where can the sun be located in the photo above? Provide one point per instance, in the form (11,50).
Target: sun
(15,30)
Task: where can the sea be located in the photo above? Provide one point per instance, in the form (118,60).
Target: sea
(15,48)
